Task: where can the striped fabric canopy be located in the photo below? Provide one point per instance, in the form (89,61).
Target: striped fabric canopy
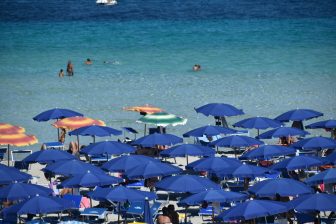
(145,109)
(19,139)
(6,128)
(162,119)
(72,123)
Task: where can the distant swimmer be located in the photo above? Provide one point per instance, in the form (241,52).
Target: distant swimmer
(197,67)
(70,69)
(88,61)
(61,73)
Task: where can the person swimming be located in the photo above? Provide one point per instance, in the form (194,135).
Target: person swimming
(197,67)
(70,70)
(61,73)
(88,61)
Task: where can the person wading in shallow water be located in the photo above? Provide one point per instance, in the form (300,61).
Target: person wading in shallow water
(70,70)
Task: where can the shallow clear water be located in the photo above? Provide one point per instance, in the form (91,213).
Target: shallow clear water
(264,58)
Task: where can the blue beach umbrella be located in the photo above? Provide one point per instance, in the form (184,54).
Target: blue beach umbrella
(18,191)
(236,141)
(89,179)
(315,143)
(258,123)
(57,113)
(40,205)
(268,152)
(330,159)
(123,163)
(71,168)
(219,109)
(213,164)
(327,177)
(243,171)
(209,130)
(186,150)
(158,139)
(282,132)
(11,174)
(48,156)
(120,194)
(95,130)
(148,217)
(213,196)
(253,209)
(322,124)
(186,184)
(281,186)
(297,162)
(152,169)
(298,115)
(314,202)
(108,148)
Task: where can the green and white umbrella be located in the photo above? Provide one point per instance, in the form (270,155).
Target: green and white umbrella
(162,119)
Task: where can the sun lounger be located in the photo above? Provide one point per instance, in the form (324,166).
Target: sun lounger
(136,185)
(97,213)
(136,209)
(54,145)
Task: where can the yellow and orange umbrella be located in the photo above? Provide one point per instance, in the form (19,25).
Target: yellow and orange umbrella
(72,123)
(6,128)
(148,109)
(19,139)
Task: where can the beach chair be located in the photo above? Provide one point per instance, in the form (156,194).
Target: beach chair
(99,214)
(136,185)
(136,209)
(53,145)
(18,163)
(206,212)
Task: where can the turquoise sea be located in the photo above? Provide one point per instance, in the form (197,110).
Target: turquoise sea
(265,58)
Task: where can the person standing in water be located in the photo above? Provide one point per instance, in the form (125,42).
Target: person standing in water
(61,73)
(70,70)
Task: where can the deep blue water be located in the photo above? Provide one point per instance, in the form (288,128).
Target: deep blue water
(265,57)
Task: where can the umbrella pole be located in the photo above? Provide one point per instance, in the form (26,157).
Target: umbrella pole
(213,214)
(118,212)
(78,143)
(187,160)
(185,215)
(265,220)
(145,130)
(8,155)
(94,139)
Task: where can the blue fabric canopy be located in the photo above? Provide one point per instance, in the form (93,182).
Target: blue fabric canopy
(213,164)
(209,130)
(11,174)
(39,205)
(56,113)
(315,143)
(323,124)
(254,209)
(213,196)
(236,141)
(124,163)
(95,130)
(186,183)
(219,109)
(268,152)
(243,171)
(330,159)
(108,147)
(158,139)
(298,115)
(71,167)
(328,177)
(281,186)
(188,149)
(152,169)
(89,179)
(314,202)
(48,156)
(282,132)
(297,162)
(258,123)
(18,191)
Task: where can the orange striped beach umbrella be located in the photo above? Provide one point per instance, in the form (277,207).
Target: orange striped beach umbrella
(148,109)
(6,128)
(18,139)
(72,123)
